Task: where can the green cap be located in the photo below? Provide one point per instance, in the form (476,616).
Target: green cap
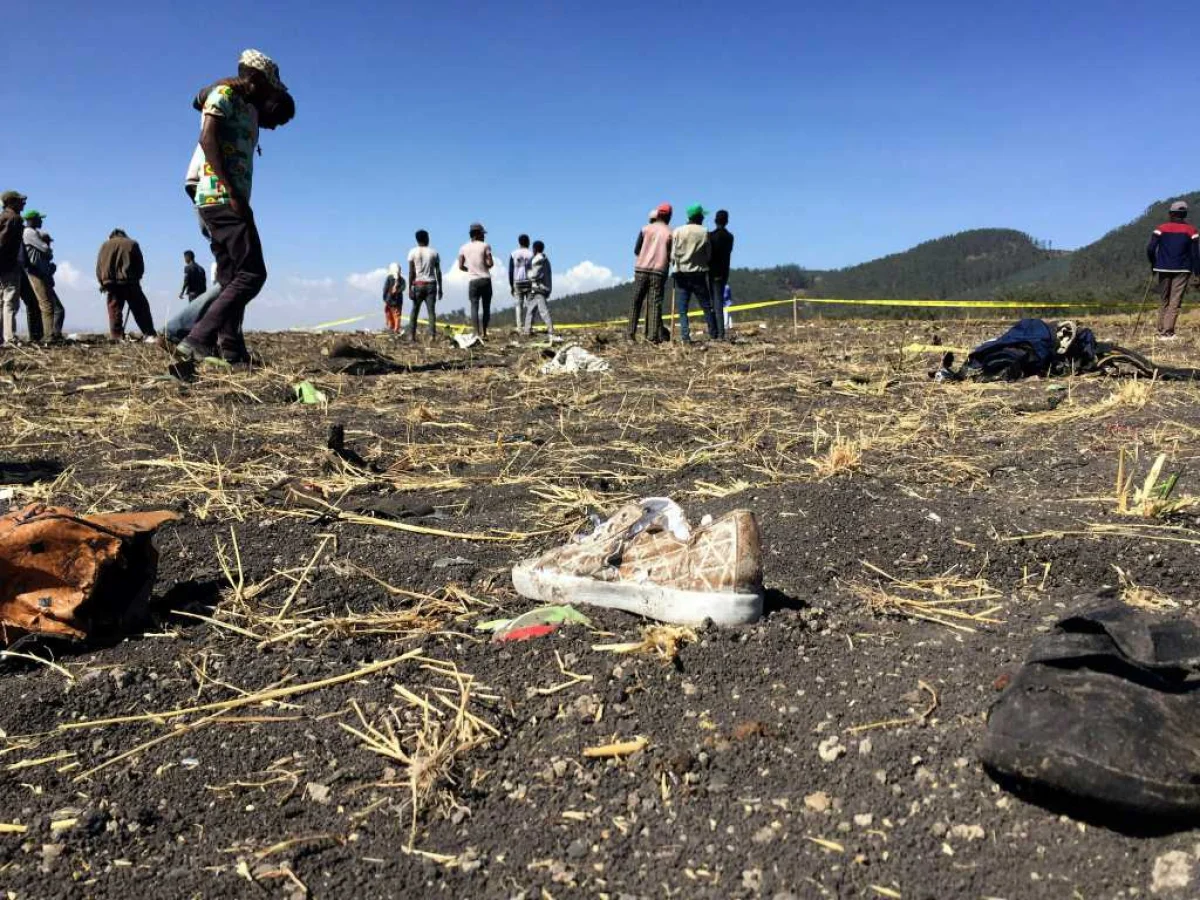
(697,210)
(33,214)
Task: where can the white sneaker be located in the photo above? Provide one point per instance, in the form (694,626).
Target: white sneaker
(646,559)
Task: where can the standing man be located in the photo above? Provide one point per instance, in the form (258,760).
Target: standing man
(475,258)
(181,323)
(119,271)
(194,281)
(652,261)
(424,283)
(541,283)
(228,138)
(518,277)
(39,270)
(1174,254)
(11,232)
(690,253)
(393,299)
(720,242)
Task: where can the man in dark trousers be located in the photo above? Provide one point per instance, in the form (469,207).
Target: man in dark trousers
(1174,254)
(195,282)
(689,257)
(11,233)
(424,284)
(475,258)
(228,138)
(720,243)
(119,271)
(652,261)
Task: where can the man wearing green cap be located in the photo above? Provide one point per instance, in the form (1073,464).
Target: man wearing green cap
(10,267)
(39,271)
(690,252)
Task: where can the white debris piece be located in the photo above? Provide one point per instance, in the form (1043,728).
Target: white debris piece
(1172,872)
(574,359)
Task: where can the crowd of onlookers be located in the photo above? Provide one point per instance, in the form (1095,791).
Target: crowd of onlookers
(530,281)
(27,273)
(27,270)
(218,182)
(701,261)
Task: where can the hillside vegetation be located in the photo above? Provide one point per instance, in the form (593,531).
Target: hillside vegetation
(984,263)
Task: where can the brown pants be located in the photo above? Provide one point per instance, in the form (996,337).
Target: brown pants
(50,309)
(1171,287)
(118,296)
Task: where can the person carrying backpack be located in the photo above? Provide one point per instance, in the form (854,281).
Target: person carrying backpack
(1174,254)
(39,271)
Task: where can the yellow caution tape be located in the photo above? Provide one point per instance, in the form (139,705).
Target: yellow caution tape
(334,324)
(969,304)
(933,348)
(763,304)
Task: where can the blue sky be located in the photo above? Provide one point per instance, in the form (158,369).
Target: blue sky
(834,133)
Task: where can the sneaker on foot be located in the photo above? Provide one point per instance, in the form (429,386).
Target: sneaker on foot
(196,353)
(646,559)
(1169,336)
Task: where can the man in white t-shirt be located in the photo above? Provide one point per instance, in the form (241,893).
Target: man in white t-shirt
(424,283)
(519,282)
(475,258)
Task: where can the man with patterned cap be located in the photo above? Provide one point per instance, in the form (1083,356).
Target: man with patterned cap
(228,138)
(652,261)
(11,234)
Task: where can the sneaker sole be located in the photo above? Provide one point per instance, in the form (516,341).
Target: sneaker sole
(653,601)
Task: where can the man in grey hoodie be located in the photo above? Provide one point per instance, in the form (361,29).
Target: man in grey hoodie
(541,283)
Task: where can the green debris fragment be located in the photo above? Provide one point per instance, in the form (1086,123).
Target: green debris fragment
(306,392)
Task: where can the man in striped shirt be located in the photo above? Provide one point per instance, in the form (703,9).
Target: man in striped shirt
(1174,254)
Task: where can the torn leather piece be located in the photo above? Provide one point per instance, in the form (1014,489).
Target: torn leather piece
(66,575)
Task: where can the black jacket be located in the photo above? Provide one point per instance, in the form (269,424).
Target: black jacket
(11,231)
(195,282)
(720,242)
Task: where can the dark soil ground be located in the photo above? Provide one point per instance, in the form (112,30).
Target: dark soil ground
(828,751)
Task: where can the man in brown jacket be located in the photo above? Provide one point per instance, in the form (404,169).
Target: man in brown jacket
(119,270)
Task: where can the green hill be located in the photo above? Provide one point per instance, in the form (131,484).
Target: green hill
(985,263)
(947,268)
(1112,269)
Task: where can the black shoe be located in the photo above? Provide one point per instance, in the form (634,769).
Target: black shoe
(184,370)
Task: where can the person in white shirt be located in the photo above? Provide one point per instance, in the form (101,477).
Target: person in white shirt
(475,258)
(518,277)
(424,283)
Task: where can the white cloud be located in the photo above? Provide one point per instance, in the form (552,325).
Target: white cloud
(311,283)
(368,281)
(68,275)
(586,276)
